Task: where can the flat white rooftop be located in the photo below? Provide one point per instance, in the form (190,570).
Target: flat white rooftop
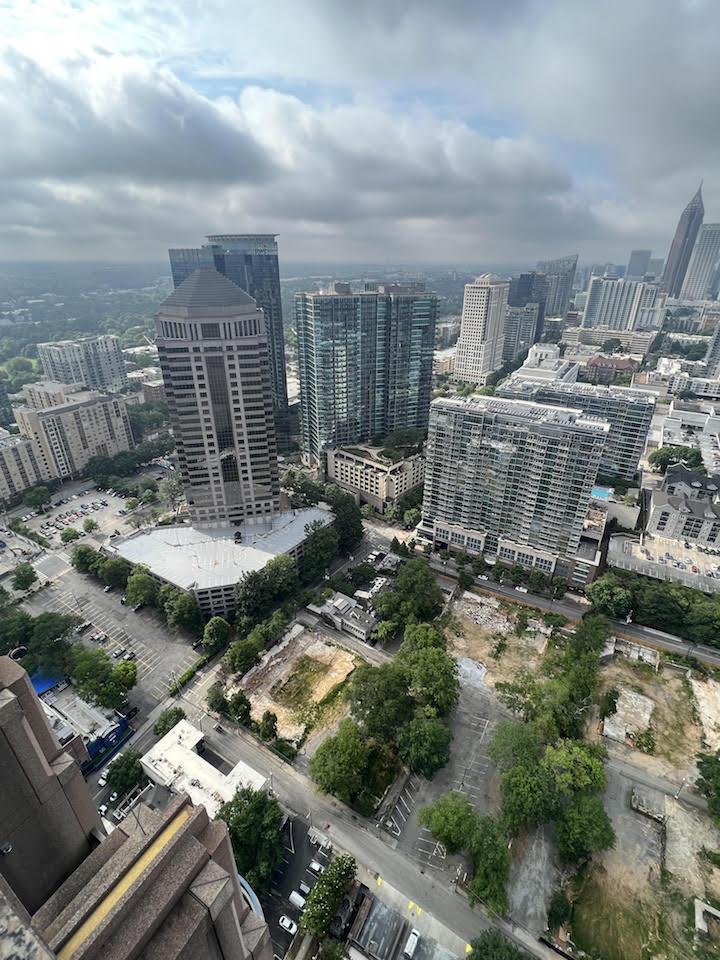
(174,763)
(194,558)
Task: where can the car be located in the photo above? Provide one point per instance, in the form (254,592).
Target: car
(130,655)
(123,598)
(521,589)
(119,653)
(108,588)
(197,643)
(287,924)
(102,809)
(113,796)
(97,637)
(316,867)
(102,780)
(121,513)
(82,627)
(132,712)
(138,606)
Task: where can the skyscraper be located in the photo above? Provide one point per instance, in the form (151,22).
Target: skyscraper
(682,245)
(624,304)
(365,365)
(703,264)
(510,478)
(520,330)
(250,260)
(94,362)
(638,264)
(479,349)
(531,287)
(213,352)
(560,278)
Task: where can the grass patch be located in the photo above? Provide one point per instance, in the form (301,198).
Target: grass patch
(296,691)
(609,928)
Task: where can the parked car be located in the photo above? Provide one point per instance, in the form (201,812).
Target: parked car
(102,810)
(113,796)
(287,924)
(102,780)
(123,599)
(108,588)
(138,606)
(130,655)
(82,627)
(119,653)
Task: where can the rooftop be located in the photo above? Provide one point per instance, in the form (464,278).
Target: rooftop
(175,763)
(193,558)
(524,410)
(204,288)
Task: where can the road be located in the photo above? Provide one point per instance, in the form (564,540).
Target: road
(575,611)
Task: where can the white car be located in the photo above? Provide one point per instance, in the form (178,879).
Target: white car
(113,796)
(102,810)
(287,924)
(102,780)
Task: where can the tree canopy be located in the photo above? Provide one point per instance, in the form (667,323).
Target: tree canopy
(167,720)
(708,782)
(583,828)
(324,898)
(339,763)
(450,819)
(415,596)
(255,824)
(492,945)
(320,549)
(424,745)
(141,587)
(379,699)
(690,456)
(125,772)
(23,577)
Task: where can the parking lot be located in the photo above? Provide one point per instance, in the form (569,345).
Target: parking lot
(161,655)
(71,507)
(469,771)
(300,851)
(667,560)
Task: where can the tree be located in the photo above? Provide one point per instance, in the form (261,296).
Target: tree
(96,678)
(260,591)
(610,598)
(267,728)
(324,898)
(46,640)
(216,634)
(37,497)
(85,559)
(433,679)
(215,699)
(24,576)
(465,580)
(114,571)
(172,491)
(411,517)
(708,782)
(69,534)
(537,581)
(492,945)
(450,819)
(529,797)
(612,345)
(340,762)
(182,611)
(583,828)
(348,519)
(514,743)
(319,550)
(415,597)
(141,587)
(244,654)
(491,859)
(575,767)
(331,950)
(690,456)
(239,707)
(379,699)
(125,772)
(419,636)
(89,524)
(167,720)
(255,824)
(424,745)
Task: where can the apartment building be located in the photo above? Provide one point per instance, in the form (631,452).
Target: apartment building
(372,478)
(520,330)
(21,466)
(70,433)
(628,412)
(620,304)
(510,478)
(95,362)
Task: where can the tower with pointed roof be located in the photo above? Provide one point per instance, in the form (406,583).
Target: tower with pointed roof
(682,245)
(213,351)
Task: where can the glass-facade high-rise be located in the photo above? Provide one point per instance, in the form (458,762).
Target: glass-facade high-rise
(250,260)
(365,365)
(560,275)
(682,245)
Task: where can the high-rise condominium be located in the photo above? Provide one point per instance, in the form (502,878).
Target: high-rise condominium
(365,365)
(480,345)
(250,260)
(624,304)
(682,245)
(94,362)
(712,355)
(213,352)
(531,287)
(638,264)
(703,264)
(560,278)
(510,478)
(629,413)
(520,330)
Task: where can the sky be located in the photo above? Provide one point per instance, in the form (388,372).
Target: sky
(466,131)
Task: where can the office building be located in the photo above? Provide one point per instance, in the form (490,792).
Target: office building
(21,467)
(638,265)
(510,478)
(531,287)
(624,304)
(700,280)
(250,260)
(480,345)
(682,245)
(560,275)
(95,362)
(153,390)
(372,478)
(655,267)
(214,357)
(365,366)
(520,330)
(70,433)
(634,341)
(49,824)
(544,363)
(628,412)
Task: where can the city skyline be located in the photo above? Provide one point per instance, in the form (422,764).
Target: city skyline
(137,131)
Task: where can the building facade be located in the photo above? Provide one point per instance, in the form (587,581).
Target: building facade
(624,304)
(95,362)
(510,478)
(373,479)
(365,366)
(530,287)
(520,330)
(628,412)
(69,434)
(21,466)
(213,353)
(480,344)
(638,265)
(560,275)
(701,278)
(251,261)
(682,245)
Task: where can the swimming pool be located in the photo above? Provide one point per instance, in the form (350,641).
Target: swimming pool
(601,493)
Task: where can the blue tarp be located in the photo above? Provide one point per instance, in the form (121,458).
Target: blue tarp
(42,684)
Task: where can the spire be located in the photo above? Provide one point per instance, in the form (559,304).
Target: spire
(697,200)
